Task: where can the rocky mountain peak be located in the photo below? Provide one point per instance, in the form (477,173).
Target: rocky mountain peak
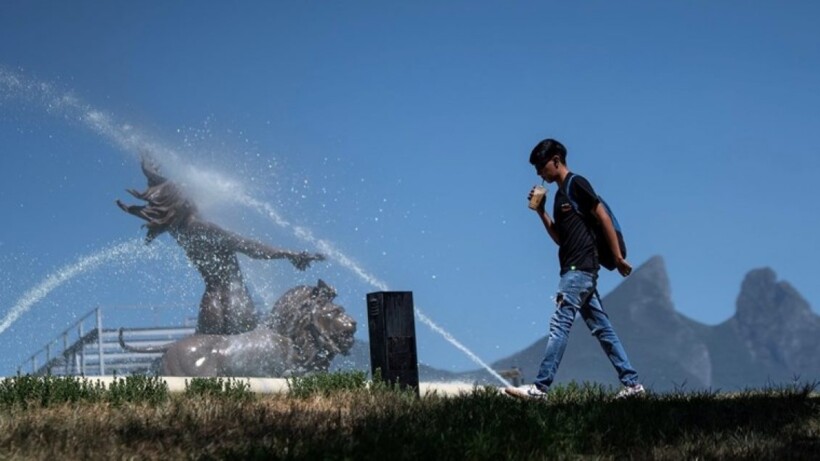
(653,272)
(648,288)
(776,324)
(762,298)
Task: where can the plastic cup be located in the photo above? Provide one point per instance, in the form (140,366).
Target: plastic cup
(538,195)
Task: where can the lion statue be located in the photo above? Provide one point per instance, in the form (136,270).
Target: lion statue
(303,333)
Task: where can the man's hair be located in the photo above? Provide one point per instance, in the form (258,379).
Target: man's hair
(546,150)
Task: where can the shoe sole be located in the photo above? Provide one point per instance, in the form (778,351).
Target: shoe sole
(629,396)
(520,394)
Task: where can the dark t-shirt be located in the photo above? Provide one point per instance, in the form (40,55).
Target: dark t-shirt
(577,250)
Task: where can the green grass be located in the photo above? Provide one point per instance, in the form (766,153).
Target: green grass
(229,388)
(326,383)
(38,391)
(341,416)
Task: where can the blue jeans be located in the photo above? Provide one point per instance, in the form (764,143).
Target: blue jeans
(577,293)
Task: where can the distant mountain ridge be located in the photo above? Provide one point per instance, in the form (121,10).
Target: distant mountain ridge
(773,338)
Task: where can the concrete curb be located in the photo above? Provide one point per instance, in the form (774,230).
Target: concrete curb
(280,385)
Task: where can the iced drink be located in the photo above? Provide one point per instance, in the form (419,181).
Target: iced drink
(538,195)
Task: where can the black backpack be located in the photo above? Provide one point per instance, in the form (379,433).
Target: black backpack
(605,257)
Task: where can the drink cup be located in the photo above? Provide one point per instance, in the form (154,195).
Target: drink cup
(539,193)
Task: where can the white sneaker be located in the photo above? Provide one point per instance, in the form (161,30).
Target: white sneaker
(630,391)
(528,391)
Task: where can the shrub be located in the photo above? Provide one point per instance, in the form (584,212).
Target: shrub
(137,388)
(45,391)
(219,387)
(327,383)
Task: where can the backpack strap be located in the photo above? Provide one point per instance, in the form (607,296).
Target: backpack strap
(577,208)
(567,189)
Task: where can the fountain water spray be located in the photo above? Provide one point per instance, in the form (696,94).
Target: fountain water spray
(327,248)
(132,249)
(129,139)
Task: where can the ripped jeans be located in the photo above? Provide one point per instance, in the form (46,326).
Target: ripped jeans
(577,292)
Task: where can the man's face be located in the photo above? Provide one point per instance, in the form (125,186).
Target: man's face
(548,171)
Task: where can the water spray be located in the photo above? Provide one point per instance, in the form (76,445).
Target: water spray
(327,248)
(131,249)
(127,138)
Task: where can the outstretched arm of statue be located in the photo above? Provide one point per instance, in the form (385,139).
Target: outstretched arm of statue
(300,259)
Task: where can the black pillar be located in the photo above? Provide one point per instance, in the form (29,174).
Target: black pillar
(392,327)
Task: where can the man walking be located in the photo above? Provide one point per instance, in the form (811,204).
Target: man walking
(576,210)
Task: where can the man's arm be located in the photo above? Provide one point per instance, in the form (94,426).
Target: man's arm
(549,224)
(612,238)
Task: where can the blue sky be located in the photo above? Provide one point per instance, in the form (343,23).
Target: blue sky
(399,134)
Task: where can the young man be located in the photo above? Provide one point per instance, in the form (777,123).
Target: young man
(577,293)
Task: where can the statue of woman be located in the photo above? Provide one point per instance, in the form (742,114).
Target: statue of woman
(226,306)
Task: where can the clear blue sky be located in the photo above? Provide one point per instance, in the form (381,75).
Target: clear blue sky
(400,134)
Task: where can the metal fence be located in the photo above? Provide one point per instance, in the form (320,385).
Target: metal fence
(86,348)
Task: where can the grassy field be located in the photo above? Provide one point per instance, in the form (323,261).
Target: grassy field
(341,417)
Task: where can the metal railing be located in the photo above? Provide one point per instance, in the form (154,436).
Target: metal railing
(86,348)
(73,355)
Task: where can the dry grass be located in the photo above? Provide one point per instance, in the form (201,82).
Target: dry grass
(379,423)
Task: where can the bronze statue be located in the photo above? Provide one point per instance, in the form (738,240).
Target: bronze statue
(303,334)
(226,306)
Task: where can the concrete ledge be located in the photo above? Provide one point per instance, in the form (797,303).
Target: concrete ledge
(280,385)
(448,389)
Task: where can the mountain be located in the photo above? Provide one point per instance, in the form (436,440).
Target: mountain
(773,338)
(664,346)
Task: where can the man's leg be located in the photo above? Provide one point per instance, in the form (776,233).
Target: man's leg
(572,293)
(598,322)
(560,324)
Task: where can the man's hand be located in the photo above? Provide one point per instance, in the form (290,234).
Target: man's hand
(540,208)
(624,268)
(302,260)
